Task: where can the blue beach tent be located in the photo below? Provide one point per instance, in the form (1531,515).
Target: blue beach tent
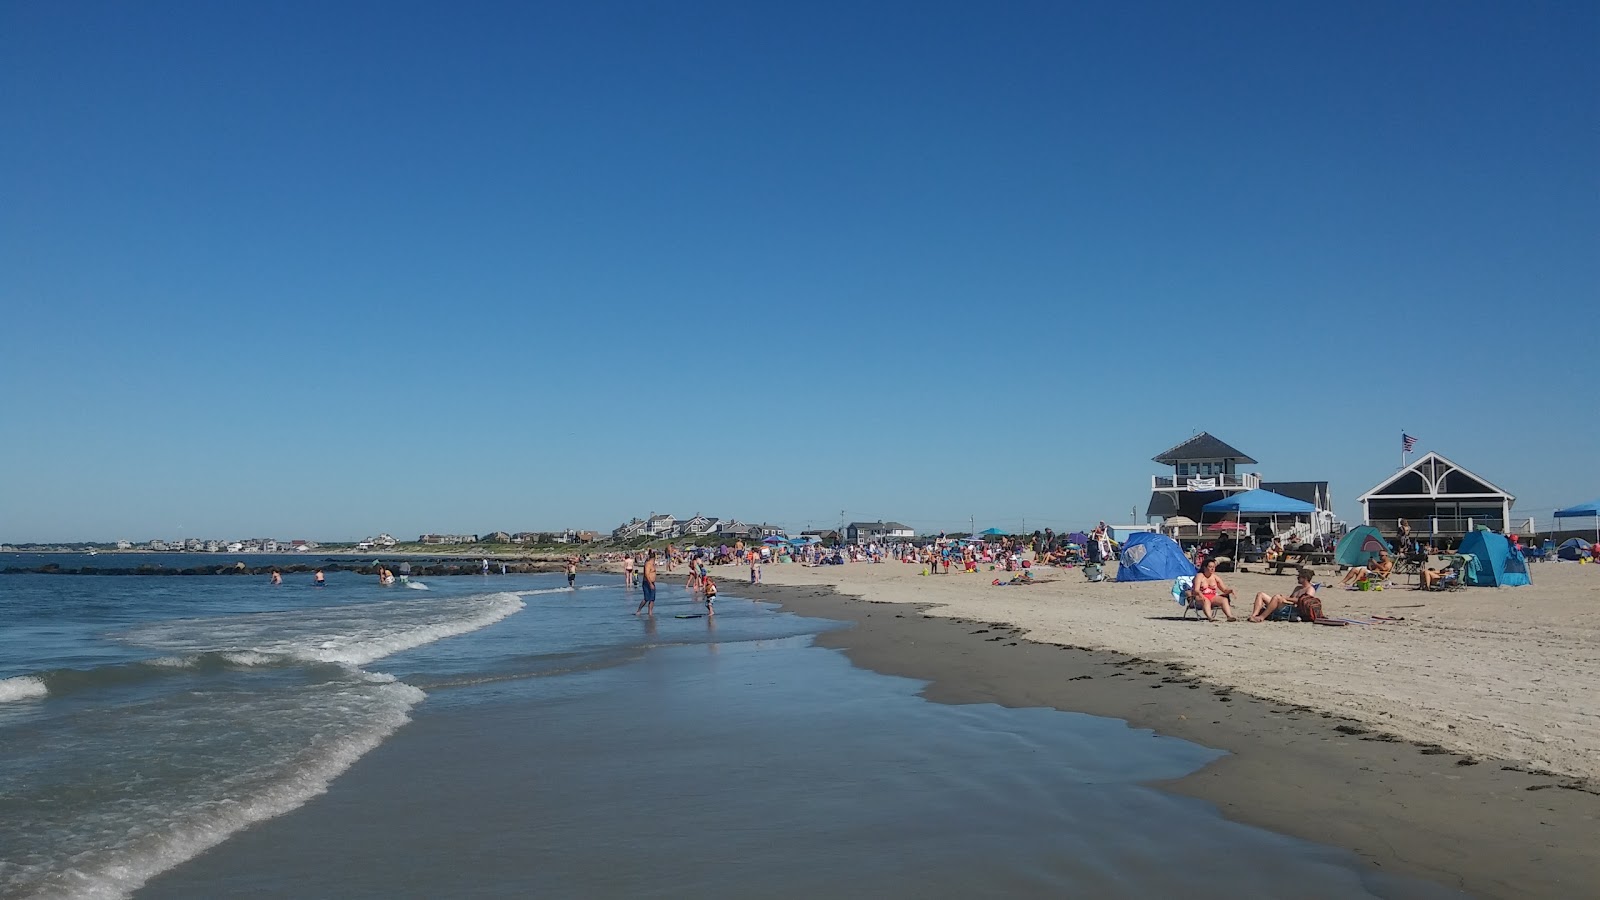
(1360,546)
(1499,564)
(1574,549)
(1260,503)
(1153,557)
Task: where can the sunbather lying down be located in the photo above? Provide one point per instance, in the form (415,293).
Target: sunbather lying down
(1024,578)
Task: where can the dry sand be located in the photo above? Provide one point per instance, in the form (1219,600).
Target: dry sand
(1509,673)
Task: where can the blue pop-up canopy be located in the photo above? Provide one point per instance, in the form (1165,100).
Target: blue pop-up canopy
(1260,503)
(1583,511)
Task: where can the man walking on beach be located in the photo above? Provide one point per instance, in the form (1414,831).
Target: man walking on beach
(649,585)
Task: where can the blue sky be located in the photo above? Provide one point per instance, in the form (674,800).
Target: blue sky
(326,270)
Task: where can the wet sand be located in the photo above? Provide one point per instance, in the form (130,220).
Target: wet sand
(1495,828)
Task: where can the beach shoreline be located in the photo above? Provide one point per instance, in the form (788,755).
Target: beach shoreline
(1495,828)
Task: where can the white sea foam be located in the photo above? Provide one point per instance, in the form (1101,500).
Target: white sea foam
(587,587)
(117,872)
(416,585)
(22,687)
(352,635)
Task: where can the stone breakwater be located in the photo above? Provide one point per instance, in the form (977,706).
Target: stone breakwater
(429,569)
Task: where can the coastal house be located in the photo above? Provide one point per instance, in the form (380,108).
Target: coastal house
(659,526)
(1206,468)
(497,537)
(825,535)
(695,526)
(425,539)
(628,530)
(1437,497)
(874,532)
(156,545)
(124,545)
(732,528)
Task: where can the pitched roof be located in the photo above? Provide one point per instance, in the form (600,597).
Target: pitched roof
(1202,446)
(1300,490)
(1433,470)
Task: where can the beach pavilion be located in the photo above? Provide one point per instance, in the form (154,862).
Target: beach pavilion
(1436,497)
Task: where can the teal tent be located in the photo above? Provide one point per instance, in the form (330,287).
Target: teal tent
(1499,563)
(1360,546)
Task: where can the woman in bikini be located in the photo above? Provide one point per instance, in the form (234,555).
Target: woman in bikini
(1266,606)
(1210,590)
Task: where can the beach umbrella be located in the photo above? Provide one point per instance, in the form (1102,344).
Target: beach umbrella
(775,539)
(994,532)
(1078,537)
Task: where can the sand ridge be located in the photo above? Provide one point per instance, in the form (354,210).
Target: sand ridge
(1507,673)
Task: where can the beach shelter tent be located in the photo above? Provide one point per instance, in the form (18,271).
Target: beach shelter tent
(1574,549)
(1360,546)
(1499,564)
(994,532)
(1148,556)
(1583,511)
(1260,503)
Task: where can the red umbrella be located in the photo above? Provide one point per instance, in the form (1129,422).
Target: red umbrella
(1228,526)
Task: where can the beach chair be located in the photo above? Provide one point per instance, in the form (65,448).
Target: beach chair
(1180,594)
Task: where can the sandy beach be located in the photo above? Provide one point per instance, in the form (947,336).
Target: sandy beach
(1460,745)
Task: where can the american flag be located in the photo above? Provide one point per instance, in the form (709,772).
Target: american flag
(1407,442)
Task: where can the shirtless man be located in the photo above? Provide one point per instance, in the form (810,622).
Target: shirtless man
(1266,605)
(1209,589)
(649,585)
(1379,570)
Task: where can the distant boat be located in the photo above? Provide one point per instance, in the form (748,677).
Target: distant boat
(93,552)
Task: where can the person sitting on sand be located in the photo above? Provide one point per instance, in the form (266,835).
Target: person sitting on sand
(1267,606)
(1209,589)
(1379,570)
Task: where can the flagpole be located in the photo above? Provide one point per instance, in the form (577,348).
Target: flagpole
(1402,448)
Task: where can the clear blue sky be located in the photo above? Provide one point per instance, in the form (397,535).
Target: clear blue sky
(325,270)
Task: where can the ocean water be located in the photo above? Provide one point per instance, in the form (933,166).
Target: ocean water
(363,741)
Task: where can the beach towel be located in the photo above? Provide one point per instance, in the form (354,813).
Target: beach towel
(1180,589)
